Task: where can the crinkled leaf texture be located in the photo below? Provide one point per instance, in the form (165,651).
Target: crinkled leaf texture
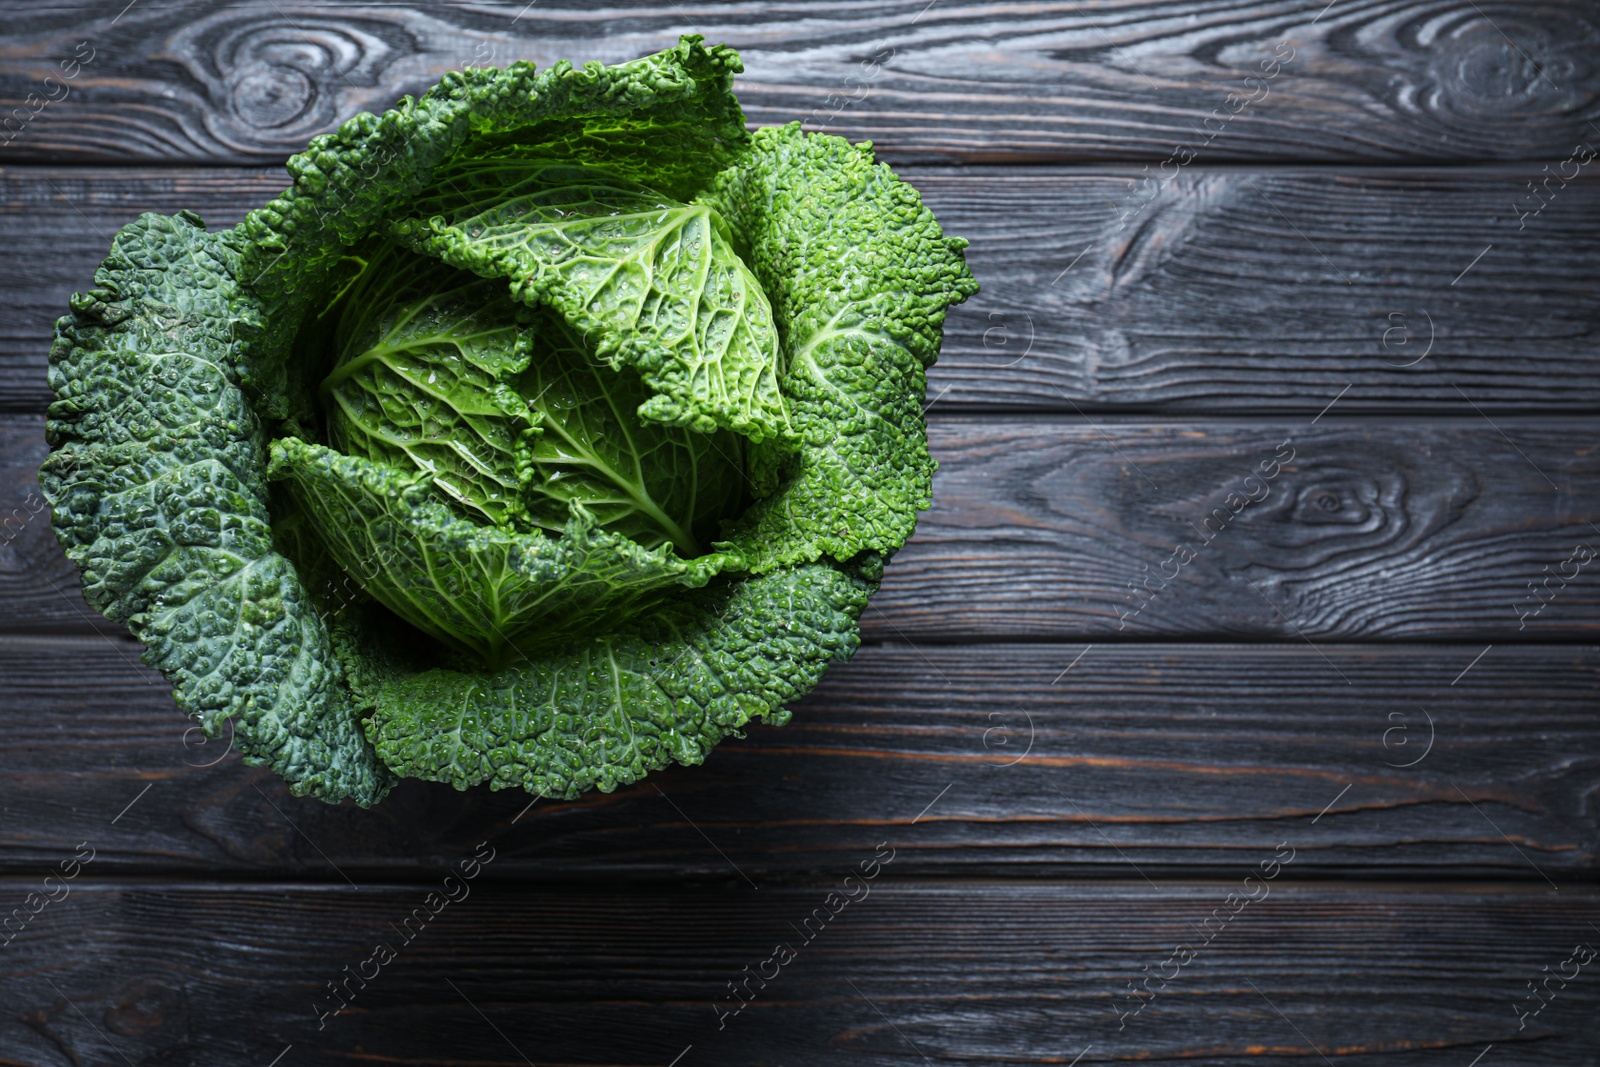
(656,484)
(653,282)
(485,587)
(860,275)
(783,288)
(157,491)
(665,688)
(420,378)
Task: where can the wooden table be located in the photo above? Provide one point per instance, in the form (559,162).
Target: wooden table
(1326,791)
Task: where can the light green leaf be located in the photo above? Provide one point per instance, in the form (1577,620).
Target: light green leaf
(424,353)
(490,591)
(671,115)
(650,283)
(860,275)
(656,484)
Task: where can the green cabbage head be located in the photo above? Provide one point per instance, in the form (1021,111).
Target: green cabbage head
(548,429)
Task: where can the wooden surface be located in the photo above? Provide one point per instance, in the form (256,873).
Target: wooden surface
(1205,301)
(1147,754)
(1072,773)
(982,972)
(1390,80)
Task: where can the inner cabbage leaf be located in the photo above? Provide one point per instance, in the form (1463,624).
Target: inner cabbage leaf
(488,590)
(656,484)
(511,415)
(650,282)
(424,354)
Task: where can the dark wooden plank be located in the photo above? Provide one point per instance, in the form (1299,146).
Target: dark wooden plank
(1206,300)
(1062,528)
(1302,80)
(1369,529)
(968,973)
(1247,290)
(967,760)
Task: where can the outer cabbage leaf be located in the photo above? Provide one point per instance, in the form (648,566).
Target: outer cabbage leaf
(424,353)
(860,276)
(156,490)
(484,589)
(608,712)
(652,283)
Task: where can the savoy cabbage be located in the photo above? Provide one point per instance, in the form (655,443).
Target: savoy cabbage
(549,428)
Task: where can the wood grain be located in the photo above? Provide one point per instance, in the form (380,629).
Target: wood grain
(1370,529)
(1386,80)
(1252,291)
(1066,528)
(963,973)
(1175,759)
(1206,299)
